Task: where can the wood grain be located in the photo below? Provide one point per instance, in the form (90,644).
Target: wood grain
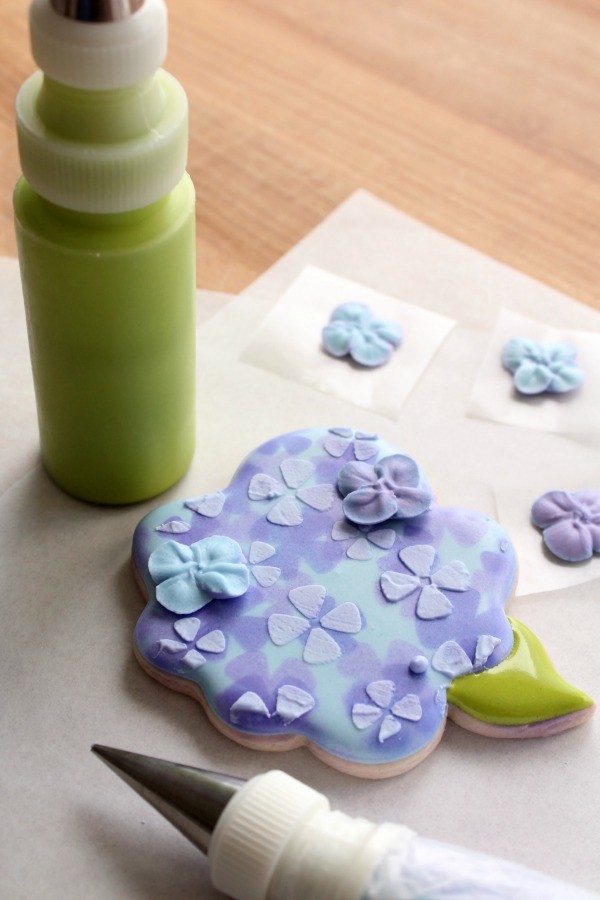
(478,117)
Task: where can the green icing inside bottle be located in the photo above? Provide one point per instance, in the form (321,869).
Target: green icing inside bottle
(523,688)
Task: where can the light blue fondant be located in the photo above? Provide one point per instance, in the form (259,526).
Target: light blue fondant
(353,330)
(189,577)
(540,368)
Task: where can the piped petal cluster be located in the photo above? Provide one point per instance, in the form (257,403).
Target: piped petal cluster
(392,489)
(189,577)
(542,368)
(353,330)
(570,523)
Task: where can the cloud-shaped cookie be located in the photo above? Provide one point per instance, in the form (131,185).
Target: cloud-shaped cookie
(295,621)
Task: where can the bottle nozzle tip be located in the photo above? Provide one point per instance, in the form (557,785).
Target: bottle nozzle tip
(96,10)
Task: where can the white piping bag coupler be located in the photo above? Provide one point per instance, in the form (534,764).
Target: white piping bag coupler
(274,838)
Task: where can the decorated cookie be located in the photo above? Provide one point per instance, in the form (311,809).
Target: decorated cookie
(324,599)
(539,368)
(354,331)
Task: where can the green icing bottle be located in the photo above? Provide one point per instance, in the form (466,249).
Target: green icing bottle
(105,217)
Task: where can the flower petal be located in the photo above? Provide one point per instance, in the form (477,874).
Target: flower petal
(293,702)
(225,580)
(381,692)
(320,648)
(296,471)
(355,313)
(432,604)
(209,505)
(217,549)
(369,350)
(266,575)
(532,378)
(355,475)
(359,549)
(454,576)
(174,526)
(181,594)
(363,715)
(387,330)
(308,599)
(259,551)
(336,338)
(169,560)
(411,502)
(398,470)
(344,618)
(187,628)
(317,496)
(565,377)
(398,585)
(561,353)
(450,659)
(264,487)
(343,530)
(552,507)
(590,501)
(382,537)
(212,642)
(248,703)
(369,506)
(569,539)
(516,351)
(418,558)
(286,512)
(389,727)
(336,445)
(486,644)
(409,707)
(283,629)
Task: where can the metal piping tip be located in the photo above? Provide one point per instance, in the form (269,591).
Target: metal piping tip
(191,799)
(96,10)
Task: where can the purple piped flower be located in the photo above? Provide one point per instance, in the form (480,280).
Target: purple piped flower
(539,368)
(354,330)
(393,489)
(570,523)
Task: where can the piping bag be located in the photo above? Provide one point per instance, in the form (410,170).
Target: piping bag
(274,838)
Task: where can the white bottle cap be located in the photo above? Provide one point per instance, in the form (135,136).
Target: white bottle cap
(278,838)
(99,55)
(255,828)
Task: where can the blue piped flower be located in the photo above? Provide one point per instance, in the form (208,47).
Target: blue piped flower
(393,489)
(354,330)
(190,577)
(539,368)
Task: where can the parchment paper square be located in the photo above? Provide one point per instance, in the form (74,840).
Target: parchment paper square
(288,343)
(495,398)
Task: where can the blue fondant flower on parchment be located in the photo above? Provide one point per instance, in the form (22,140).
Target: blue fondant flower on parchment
(542,368)
(570,523)
(353,330)
(392,489)
(188,578)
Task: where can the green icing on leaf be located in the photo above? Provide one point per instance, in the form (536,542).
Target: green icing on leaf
(523,688)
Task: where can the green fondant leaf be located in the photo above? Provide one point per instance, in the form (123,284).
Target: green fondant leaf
(523,688)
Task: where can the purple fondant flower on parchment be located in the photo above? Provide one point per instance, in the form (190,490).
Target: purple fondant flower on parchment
(542,368)
(392,489)
(353,330)
(570,523)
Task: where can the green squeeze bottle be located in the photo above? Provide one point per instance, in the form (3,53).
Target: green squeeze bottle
(105,232)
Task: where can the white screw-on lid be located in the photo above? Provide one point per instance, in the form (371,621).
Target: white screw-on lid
(254,830)
(99,55)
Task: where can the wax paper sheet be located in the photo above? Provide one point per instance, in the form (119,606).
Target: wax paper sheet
(494,396)
(288,342)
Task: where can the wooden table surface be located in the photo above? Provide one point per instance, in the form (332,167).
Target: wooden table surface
(478,117)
